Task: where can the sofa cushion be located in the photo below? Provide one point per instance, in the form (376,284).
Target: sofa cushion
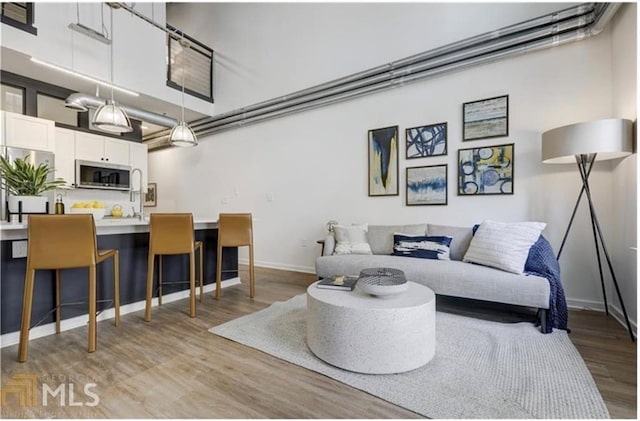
(351,239)
(461,237)
(503,245)
(381,236)
(421,246)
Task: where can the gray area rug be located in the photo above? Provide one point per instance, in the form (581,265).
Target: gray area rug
(481,369)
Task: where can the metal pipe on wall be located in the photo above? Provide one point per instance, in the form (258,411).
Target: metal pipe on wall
(453,57)
(547,31)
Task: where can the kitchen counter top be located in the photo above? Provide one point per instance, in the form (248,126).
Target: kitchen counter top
(106,226)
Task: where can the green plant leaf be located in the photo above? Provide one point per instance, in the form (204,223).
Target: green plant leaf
(22,178)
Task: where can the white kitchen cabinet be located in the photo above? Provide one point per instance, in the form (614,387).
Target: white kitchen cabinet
(23,131)
(116,151)
(92,147)
(64,151)
(138,156)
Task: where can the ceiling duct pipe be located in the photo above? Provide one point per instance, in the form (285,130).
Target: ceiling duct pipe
(547,31)
(82,102)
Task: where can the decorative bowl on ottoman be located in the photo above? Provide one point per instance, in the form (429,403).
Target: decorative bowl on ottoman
(382,281)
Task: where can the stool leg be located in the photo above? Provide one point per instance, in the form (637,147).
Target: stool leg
(192,284)
(27,302)
(219,272)
(116,285)
(160,280)
(92,308)
(147,309)
(252,280)
(201,275)
(58,310)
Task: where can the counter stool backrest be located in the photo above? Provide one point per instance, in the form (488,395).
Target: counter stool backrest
(235,229)
(171,233)
(61,241)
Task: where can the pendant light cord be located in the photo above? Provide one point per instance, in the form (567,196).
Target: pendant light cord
(111,51)
(184,68)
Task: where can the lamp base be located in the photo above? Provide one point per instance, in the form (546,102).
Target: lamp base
(585,164)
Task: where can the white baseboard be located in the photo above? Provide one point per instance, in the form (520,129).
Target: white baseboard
(13,338)
(281,266)
(614,311)
(585,304)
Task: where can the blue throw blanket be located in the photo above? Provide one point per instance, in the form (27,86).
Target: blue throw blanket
(542,262)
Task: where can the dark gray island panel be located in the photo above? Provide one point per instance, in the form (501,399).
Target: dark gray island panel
(134,248)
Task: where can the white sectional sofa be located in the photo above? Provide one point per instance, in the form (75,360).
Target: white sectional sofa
(445,277)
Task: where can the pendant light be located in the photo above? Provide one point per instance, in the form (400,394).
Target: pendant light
(181,134)
(110,117)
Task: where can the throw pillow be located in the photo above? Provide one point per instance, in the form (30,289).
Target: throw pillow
(351,239)
(381,236)
(503,245)
(461,238)
(421,246)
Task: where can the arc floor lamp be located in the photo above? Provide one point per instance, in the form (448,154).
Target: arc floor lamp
(585,143)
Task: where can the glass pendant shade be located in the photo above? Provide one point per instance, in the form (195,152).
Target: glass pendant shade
(110,117)
(182,135)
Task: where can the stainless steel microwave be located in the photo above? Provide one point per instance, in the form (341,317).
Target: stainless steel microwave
(101,175)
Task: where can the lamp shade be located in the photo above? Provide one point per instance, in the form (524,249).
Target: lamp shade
(182,135)
(110,117)
(609,139)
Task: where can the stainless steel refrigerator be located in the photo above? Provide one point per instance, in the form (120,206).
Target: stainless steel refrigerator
(34,157)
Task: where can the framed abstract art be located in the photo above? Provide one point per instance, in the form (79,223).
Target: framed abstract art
(424,141)
(486,118)
(427,185)
(383,161)
(486,170)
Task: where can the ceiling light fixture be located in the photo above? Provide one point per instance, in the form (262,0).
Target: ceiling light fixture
(181,134)
(110,117)
(85,77)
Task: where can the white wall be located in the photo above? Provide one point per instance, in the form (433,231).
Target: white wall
(625,174)
(314,164)
(139,48)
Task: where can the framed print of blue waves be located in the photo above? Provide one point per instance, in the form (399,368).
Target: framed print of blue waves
(426,141)
(486,170)
(427,185)
(486,118)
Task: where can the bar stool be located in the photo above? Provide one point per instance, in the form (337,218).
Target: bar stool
(172,233)
(235,230)
(64,242)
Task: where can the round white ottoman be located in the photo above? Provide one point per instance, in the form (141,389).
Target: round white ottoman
(366,334)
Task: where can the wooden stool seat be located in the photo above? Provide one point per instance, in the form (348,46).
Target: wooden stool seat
(235,230)
(170,234)
(63,242)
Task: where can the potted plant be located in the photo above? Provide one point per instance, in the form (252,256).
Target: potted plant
(26,182)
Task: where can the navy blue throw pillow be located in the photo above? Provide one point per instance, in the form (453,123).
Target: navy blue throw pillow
(422,246)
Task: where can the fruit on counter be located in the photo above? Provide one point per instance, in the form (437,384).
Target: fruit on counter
(94,205)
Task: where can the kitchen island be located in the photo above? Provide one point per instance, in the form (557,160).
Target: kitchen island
(131,237)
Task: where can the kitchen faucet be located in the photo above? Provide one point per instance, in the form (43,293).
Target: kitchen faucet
(139,215)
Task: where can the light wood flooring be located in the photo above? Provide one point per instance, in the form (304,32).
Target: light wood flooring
(173,367)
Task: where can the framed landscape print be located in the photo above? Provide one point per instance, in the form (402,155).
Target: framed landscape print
(383,162)
(151,197)
(427,185)
(426,141)
(485,170)
(486,118)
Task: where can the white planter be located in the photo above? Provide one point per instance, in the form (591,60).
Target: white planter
(30,204)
